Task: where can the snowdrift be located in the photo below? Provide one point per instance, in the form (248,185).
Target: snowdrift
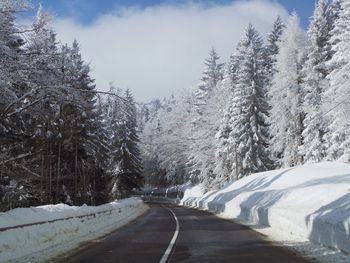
(25,233)
(310,202)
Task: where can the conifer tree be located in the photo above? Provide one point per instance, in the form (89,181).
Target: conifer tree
(272,48)
(249,108)
(212,75)
(338,94)
(226,158)
(204,120)
(287,95)
(316,82)
(130,170)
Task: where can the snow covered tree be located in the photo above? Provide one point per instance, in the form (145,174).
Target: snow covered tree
(174,142)
(166,142)
(212,75)
(14,71)
(248,107)
(114,116)
(316,82)
(87,138)
(129,174)
(204,120)
(338,93)
(287,94)
(226,158)
(272,48)
(53,136)
(12,68)
(42,54)
(153,171)
(150,126)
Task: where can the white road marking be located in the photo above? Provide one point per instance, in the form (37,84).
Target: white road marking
(173,240)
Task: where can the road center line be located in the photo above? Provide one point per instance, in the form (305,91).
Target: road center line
(173,240)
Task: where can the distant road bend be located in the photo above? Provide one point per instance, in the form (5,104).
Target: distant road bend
(178,234)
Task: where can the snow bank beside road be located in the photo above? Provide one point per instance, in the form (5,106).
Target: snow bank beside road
(53,229)
(193,193)
(310,202)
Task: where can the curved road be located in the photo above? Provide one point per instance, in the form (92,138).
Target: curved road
(202,237)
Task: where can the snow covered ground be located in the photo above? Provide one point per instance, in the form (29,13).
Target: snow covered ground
(293,206)
(50,230)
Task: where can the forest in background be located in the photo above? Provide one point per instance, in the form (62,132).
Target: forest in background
(60,139)
(278,102)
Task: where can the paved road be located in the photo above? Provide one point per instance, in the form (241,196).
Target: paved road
(202,237)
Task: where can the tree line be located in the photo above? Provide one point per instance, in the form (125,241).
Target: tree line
(60,139)
(278,102)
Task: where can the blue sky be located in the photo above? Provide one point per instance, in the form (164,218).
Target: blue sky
(86,11)
(158,48)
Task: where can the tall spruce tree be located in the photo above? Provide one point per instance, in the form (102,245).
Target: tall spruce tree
(15,116)
(316,82)
(249,107)
(153,172)
(339,94)
(212,75)
(130,170)
(272,48)
(226,159)
(53,141)
(204,124)
(287,94)
(13,70)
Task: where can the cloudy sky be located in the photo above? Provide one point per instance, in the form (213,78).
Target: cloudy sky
(157,47)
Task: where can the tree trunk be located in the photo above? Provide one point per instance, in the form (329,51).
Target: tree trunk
(50,174)
(76,175)
(46,172)
(84,180)
(42,177)
(93,191)
(236,160)
(58,169)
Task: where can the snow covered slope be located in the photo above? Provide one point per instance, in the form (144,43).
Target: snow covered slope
(39,233)
(310,202)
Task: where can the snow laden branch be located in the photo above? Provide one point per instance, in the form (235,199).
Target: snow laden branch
(79,145)
(276,103)
(19,157)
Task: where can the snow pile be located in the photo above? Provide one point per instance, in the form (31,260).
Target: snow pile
(58,228)
(191,194)
(177,191)
(310,202)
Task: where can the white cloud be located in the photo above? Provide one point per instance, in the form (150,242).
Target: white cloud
(159,50)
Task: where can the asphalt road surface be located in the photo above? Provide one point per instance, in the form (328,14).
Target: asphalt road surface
(178,234)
